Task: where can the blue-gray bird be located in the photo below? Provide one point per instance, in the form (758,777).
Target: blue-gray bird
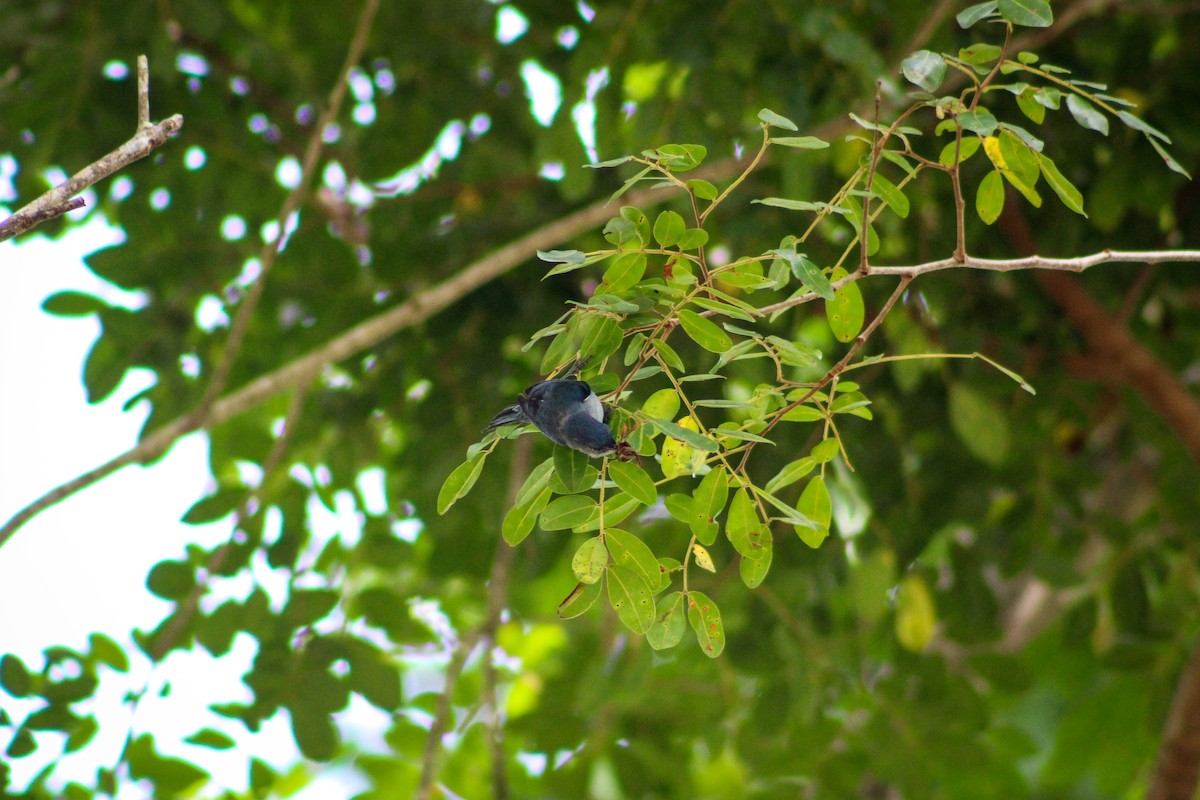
(567,411)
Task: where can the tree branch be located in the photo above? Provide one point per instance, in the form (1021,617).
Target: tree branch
(59,200)
(425,304)
(271,250)
(433,745)
(1177,770)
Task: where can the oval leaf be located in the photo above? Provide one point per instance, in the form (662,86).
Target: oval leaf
(670,620)
(704,332)
(705,618)
(590,560)
(634,480)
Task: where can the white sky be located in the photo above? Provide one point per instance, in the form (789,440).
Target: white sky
(81,566)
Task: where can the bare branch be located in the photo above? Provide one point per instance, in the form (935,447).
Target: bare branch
(1177,770)
(433,744)
(1078,264)
(144,142)
(147,138)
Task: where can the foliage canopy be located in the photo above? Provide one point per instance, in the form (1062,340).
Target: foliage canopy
(909,575)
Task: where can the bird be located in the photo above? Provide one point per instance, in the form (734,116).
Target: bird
(566,411)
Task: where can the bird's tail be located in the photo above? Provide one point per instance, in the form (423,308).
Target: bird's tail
(511,415)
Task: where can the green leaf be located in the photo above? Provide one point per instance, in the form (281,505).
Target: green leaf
(702,189)
(106,651)
(670,620)
(1086,114)
(846,311)
(800,142)
(980,424)
(705,618)
(754,570)
(625,187)
(1066,191)
(890,192)
(14,677)
(1030,107)
(538,479)
(306,606)
(744,529)
(980,54)
(315,733)
(373,675)
(625,271)
(662,404)
(792,205)
(668,354)
(775,120)
(581,598)
(916,617)
(459,482)
(1029,13)
(708,501)
(691,438)
(704,332)
(562,257)
(616,508)
(634,480)
(972,14)
(966,149)
(629,551)
(567,512)
(631,598)
(989,197)
(729,310)
(681,157)
(693,239)
(924,68)
(807,272)
(668,228)
(104,369)
(171,580)
(207,737)
(790,473)
(1171,163)
(590,560)
(73,304)
(1135,123)
(573,470)
(612,162)
(519,520)
(727,430)
(824,450)
(815,504)
(979,121)
(215,506)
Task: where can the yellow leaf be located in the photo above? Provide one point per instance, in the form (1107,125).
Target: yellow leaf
(991,146)
(916,616)
(702,558)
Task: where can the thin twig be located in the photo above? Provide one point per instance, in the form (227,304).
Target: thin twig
(143,96)
(425,304)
